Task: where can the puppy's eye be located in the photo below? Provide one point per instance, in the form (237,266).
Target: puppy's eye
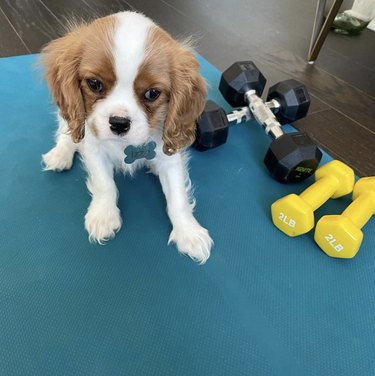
(151,95)
(95,85)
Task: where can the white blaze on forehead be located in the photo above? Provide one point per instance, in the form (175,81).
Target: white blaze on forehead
(130,40)
(129,45)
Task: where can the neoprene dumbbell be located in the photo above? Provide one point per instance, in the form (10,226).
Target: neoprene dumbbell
(294,215)
(340,235)
(291,157)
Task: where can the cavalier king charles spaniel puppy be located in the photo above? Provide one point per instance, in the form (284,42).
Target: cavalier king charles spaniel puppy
(128,95)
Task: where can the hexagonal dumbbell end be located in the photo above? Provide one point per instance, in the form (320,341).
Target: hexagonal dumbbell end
(294,215)
(292,158)
(238,79)
(212,127)
(340,236)
(293,98)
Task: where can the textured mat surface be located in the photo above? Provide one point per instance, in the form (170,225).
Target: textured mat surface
(264,304)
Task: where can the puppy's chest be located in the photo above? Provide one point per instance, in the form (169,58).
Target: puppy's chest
(117,156)
(129,158)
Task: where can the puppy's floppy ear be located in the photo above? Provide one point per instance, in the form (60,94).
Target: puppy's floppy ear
(187,100)
(61,59)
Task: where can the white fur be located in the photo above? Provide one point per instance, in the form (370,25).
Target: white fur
(103,154)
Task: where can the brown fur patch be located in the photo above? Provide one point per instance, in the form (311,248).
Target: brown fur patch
(154,73)
(171,68)
(85,52)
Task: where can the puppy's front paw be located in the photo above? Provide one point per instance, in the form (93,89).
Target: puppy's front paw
(58,159)
(192,240)
(102,222)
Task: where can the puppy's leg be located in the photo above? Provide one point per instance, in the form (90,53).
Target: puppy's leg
(190,237)
(103,219)
(61,156)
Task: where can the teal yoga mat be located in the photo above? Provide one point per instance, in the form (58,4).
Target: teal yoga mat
(264,304)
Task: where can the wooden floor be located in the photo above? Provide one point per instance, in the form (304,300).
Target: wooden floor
(274,34)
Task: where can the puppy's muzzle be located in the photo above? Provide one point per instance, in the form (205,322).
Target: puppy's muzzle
(119,125)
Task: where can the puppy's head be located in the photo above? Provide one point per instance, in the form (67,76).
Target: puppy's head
(125,78)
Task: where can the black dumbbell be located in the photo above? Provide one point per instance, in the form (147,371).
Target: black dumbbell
(291,157)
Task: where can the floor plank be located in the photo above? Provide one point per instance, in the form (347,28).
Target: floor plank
(71,9)
(353,59)
(10,42)
(106,7)
(345,98)
(342,139)
(317,105)
(84,9)
(33,21)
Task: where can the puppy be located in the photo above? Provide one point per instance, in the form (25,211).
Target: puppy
(128,96)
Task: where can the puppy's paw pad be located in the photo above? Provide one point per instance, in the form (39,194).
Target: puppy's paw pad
(58,159)
(192,240)
(102,222)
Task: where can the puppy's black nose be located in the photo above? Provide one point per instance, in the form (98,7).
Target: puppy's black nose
(119,125)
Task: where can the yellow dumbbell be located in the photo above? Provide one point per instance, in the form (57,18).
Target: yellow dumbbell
(294,215)
(341,235)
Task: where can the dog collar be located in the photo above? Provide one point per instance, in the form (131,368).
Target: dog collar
(145,151)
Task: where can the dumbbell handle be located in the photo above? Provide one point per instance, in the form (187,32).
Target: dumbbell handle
(242,114)
(263,114)
(320,191)
(361,209)
(260,111)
